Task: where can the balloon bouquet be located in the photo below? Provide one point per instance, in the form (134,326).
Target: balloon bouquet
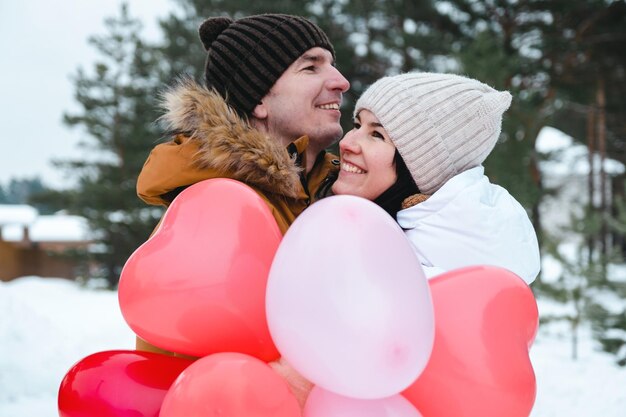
(341,297)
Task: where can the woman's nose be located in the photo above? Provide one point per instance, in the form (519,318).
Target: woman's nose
(349,143)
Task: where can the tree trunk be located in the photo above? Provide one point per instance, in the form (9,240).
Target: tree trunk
(574,323)
(601,130)
(591,149)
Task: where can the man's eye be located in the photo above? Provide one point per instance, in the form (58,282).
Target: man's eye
(309,68)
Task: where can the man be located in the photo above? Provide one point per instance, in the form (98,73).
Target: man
(269,109)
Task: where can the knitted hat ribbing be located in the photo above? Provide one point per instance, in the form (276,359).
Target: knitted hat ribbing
(247,56)
(442,124)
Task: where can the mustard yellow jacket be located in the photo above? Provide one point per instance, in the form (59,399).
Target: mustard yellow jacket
(212,141)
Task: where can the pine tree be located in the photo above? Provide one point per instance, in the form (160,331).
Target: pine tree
(118,114)
(19,190)
(580,286)
(584,48)
(608,316)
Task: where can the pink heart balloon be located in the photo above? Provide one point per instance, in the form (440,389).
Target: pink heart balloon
(347,302)
(230,385)
(485,321)
(197,286)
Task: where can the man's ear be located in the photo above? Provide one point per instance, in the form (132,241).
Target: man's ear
(260,111)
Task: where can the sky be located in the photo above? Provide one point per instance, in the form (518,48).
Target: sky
(43,43)
(50,324)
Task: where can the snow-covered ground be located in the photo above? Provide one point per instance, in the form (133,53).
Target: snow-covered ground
(46,325)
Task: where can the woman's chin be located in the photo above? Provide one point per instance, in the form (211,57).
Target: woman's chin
(340,188)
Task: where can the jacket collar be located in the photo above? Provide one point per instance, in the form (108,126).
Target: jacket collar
(442,197)
(227,143)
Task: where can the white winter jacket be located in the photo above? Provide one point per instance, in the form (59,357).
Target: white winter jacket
(470,221)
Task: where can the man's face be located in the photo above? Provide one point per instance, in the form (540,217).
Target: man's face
(305,100)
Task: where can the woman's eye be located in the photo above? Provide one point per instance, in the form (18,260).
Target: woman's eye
(356,125)
(378,135)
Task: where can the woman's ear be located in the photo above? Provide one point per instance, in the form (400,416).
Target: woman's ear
(260,111)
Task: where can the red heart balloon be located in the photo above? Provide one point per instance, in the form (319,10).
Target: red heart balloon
(118,383)
(230,385)
(197,286)
(486,318)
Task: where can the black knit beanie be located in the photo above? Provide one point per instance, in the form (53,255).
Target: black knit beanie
(247,56)
(391,199)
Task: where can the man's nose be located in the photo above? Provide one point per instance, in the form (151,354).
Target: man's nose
(338,81)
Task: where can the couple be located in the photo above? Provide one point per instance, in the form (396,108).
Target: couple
(270,107)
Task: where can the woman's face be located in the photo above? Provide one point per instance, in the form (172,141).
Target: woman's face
(367,167)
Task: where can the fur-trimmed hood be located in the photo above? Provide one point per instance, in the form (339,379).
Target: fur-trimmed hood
(227,143)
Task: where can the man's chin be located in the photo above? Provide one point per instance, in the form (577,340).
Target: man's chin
(325,139)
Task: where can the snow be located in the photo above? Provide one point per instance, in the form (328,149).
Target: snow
(565,172)
(591,386)
(48,324)
(569,157)
(17,214)
(551,140)
(50,228)
(59,227)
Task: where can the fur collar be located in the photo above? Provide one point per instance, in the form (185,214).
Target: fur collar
(227,142)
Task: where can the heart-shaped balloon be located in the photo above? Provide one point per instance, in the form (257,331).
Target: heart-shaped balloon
(486,318)
(230,385)
(118,383)
(197,286)
(322,403)
(347,302)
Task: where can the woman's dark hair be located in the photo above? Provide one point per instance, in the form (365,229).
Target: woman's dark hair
(391,199)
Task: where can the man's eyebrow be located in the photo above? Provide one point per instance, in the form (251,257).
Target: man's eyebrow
(313,58)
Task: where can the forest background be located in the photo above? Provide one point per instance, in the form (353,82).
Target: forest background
(563,61)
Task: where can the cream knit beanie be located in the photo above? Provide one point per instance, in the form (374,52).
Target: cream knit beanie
(442,124)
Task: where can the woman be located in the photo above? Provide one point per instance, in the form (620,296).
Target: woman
(416,149)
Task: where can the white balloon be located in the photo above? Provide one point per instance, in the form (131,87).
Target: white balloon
(322,403)
(347,302)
